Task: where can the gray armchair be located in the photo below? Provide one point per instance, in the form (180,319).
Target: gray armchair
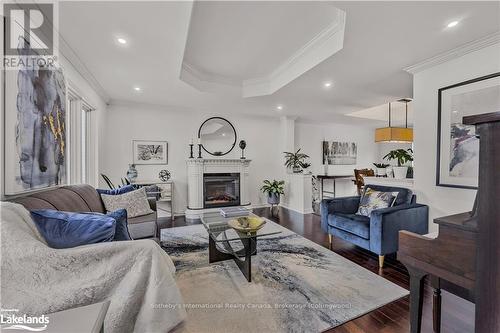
(379,232)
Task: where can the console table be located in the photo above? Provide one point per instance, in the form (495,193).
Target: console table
(165,193)
(334,178)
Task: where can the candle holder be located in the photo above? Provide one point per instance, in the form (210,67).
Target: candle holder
(191,150)
(199,150)
(242,145)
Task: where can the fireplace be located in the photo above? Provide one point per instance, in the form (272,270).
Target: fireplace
(221,190)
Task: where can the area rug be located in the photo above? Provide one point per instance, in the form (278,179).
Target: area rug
(297,285)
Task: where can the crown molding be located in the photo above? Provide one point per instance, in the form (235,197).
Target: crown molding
(207,77)
(326,43)
(460,51)
(72,58)
(150,106)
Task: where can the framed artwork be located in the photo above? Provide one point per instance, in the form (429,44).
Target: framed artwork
(150,152)
(458,146)
(339,153)
(35,128)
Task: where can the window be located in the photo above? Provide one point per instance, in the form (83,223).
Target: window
(81,165)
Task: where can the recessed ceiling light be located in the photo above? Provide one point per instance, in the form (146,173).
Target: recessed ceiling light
(452,24)
(279,107)
(327,84)
(121,41)
(455,111)
(137,88)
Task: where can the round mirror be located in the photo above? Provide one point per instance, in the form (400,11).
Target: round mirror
(218,136)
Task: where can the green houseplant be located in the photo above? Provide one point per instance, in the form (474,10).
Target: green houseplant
(402,156)
(296,161)
(273,190)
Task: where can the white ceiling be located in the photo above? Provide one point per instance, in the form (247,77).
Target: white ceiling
(242,40)
(380,39)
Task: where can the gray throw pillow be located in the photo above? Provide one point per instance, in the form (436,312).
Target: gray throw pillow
(372,200)
(135,202)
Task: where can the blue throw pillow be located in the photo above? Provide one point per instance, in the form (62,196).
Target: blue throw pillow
(117,191)
(121,229)
(64,229)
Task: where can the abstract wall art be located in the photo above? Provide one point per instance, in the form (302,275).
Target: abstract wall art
(339,153)
(35,129)
(150,152)
(458,146)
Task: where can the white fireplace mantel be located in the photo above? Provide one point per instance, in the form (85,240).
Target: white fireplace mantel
(197,167)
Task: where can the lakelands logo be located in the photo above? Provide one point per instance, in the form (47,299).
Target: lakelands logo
(29,35)
(11,320)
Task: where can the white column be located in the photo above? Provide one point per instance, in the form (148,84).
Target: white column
(287,127)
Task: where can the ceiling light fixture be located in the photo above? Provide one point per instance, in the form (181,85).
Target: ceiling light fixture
(121,41)
(395,134)
(327,84)
(137,88)
(452,24)
(279,107)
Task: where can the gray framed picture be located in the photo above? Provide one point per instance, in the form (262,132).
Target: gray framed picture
(339,153)
(150,152)
(458,146)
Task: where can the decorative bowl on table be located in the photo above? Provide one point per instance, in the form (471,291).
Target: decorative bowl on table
(247,224)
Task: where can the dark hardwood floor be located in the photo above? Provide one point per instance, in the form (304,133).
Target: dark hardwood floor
(457,315)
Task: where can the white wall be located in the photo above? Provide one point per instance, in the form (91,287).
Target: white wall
(442,200)
(309,138)
(128,122)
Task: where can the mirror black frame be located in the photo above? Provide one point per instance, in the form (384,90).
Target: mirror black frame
(235,136)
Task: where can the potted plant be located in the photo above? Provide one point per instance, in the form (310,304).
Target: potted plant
(296,161)
(402,156)
(273,190)
(381,171)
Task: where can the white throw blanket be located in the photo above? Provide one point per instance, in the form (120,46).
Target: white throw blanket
(136,276)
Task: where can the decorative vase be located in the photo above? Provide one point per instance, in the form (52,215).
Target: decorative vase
(273,199)
(400,172)
(132,172)
(297,169)
(381,172)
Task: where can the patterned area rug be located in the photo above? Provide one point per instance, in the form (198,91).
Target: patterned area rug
(297,285)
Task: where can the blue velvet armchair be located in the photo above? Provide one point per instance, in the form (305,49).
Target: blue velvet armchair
(379,232)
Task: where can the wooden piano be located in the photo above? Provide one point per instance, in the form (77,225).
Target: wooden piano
(465,257)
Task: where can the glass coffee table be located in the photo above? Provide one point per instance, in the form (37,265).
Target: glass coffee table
(225,243)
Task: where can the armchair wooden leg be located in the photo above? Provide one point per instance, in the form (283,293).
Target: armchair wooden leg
(330,241)
(381,261)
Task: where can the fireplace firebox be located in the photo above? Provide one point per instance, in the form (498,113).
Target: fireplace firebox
(221,190)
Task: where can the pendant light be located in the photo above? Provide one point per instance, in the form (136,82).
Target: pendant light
(395,134)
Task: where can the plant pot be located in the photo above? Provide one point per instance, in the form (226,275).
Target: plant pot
(273,199)
(400,172)
(297,169)
(381,171)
